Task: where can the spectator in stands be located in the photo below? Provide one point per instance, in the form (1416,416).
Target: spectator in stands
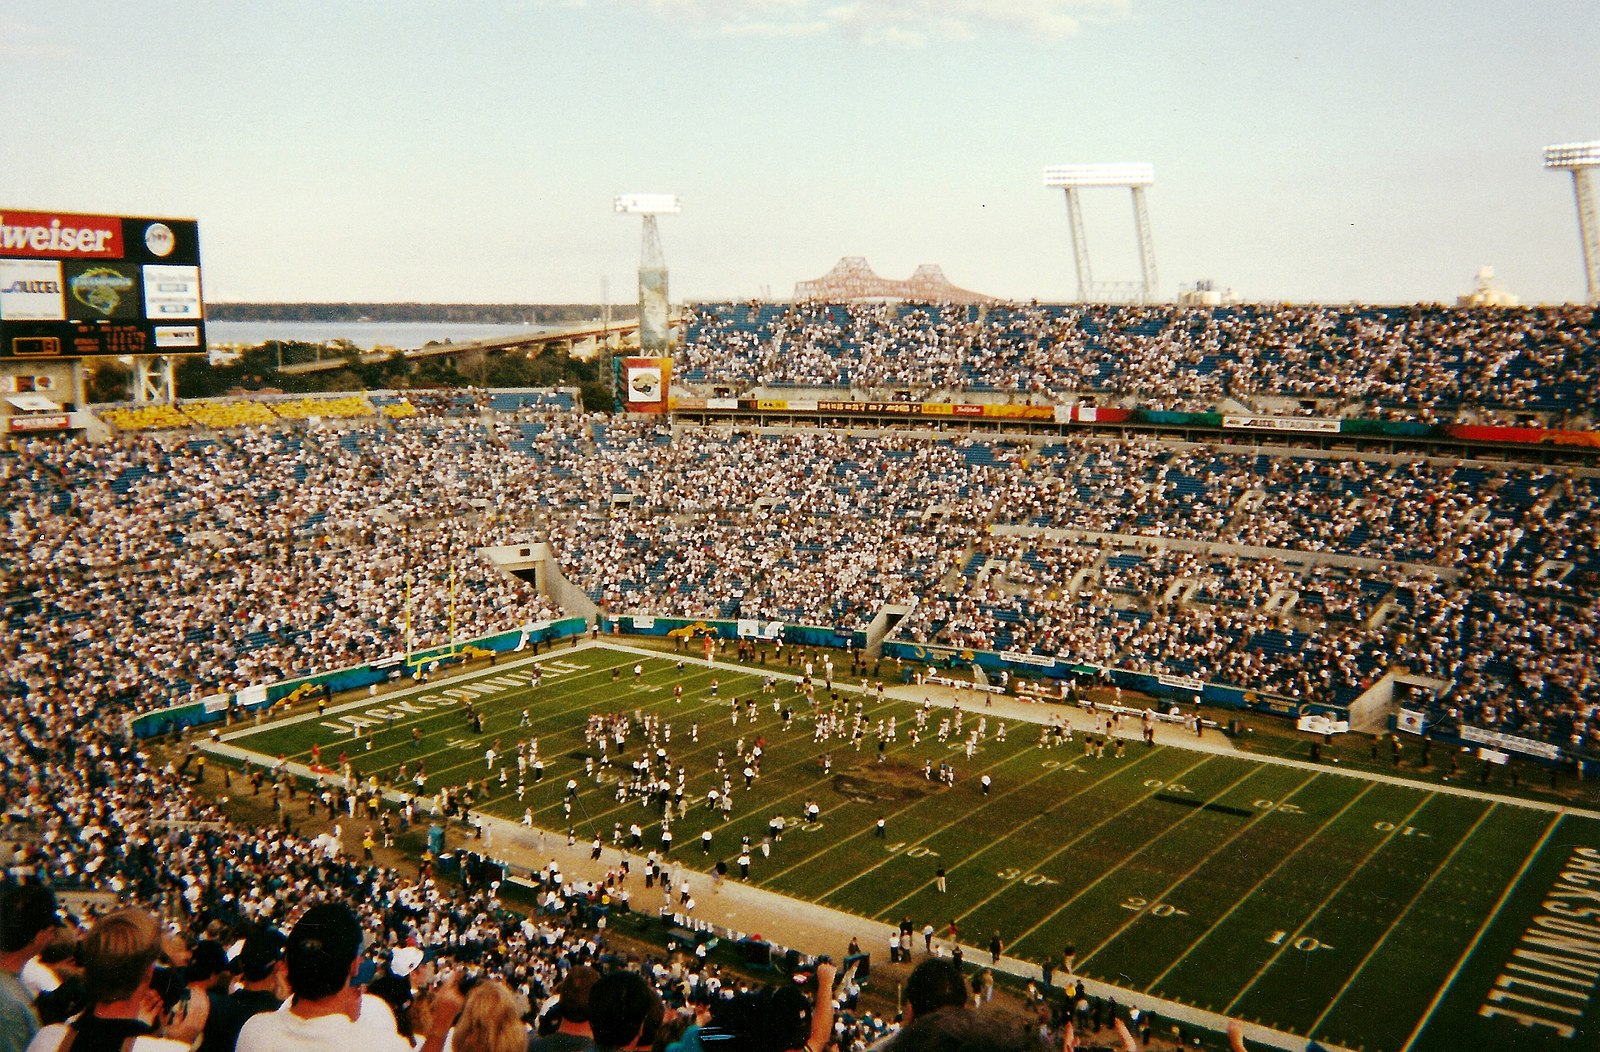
(263,985)
(934,986)
(625,1012)
(323,955)
(128,1011)
(490,1021)
(28,923)
(990,1028)
(573,1032)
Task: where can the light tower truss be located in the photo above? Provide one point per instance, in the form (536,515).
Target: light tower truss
(1581,159)
(655,334)
(1136,177)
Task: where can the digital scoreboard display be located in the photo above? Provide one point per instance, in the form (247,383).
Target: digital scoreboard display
(83,286)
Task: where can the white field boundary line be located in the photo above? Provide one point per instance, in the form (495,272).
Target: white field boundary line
(1483,928)
(379,700)
(1025,712)
(827,926)
(1415,898)
(1029,712)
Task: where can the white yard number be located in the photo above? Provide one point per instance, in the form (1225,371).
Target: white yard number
(1059,765)
(1272,805)
(1305,943)
(1175,787)
(1140,904)
(1032,880)
(1390,827)
(912,850)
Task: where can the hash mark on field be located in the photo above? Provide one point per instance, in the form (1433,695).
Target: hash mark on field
(1215,925)
(1129,858)
(1074,841)
(867,829)
(1174,885)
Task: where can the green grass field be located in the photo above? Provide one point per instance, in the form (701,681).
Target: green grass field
(1364,914)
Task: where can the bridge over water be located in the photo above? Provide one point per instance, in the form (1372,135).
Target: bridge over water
(581,340)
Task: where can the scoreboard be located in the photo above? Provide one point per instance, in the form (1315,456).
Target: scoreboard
(82,286)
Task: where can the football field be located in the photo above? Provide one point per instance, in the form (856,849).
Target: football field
(1360,912)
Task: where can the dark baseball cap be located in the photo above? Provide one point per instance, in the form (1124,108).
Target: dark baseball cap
(321,947)
(261,952)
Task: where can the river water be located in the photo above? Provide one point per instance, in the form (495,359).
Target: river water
(403,335)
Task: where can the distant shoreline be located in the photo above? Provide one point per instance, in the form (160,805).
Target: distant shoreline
(435,313)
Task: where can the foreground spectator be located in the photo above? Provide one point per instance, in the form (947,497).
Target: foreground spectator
(625,1012)
(27,924)
(128,1011)
(573,1033)
(490,1021)
(263,985)
(325,1014)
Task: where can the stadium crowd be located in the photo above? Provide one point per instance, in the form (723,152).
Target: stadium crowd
(1422,361)
(291,550)
(151,570)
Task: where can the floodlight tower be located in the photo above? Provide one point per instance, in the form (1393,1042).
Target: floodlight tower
(1135,176)
(655,333)
(1580,158)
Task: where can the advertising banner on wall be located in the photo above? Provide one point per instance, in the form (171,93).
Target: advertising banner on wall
(74,286)
(645,384)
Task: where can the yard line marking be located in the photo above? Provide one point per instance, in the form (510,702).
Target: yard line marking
(1170,888)
(574,701)
(1416,896)
(582,701)
(1289,941)
(1098,825)
(1217,924)
(865,830)
(1444,987)
(1230,787)
(983,802)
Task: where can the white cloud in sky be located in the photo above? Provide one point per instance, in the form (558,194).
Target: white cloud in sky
(890,23)
(20,38)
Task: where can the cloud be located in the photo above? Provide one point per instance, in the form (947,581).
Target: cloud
(22,39)
(891,23)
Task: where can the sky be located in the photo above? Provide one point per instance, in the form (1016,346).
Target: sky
(468,150)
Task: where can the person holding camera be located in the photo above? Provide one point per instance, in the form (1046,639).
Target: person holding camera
(133,1007)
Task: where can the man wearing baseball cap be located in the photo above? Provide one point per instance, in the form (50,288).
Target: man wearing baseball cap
(322,957)
(262,987)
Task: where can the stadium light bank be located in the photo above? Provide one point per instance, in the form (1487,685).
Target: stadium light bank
(1137,177)
(655,334)
(1580,158)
